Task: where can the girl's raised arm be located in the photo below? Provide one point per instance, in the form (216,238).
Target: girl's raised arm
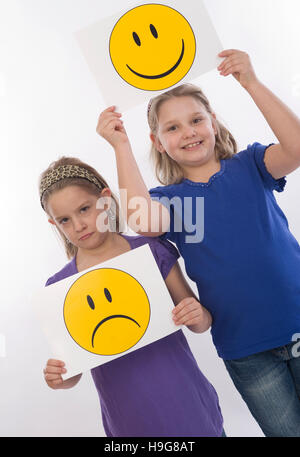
(154,218)
(283,158)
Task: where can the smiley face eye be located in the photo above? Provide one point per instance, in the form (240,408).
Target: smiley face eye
(136,39)
(90,302)
(153,31)
(107,295)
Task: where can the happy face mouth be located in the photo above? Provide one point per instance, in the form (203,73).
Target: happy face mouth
(111,317)
(163,74)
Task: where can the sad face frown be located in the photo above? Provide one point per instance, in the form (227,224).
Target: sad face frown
(106,311)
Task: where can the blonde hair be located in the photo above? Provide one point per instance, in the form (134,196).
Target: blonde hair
(166,169)
(70,249)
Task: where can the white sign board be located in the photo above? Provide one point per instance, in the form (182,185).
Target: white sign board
(106,311)
(149,48)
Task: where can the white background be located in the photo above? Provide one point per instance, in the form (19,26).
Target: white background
(49,105)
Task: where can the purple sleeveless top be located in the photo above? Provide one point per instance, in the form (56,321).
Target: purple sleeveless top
(157,390)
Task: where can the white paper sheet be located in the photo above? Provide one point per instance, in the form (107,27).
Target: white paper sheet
(94,42)
(51,302)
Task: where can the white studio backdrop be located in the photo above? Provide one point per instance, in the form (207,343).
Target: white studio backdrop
(49,106)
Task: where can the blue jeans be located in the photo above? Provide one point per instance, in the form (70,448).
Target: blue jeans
(269,382)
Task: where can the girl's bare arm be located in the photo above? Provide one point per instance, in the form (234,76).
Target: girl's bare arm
(188,310)
(283,158)
(153,217)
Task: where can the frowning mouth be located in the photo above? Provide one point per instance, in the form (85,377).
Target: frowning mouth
(163,74)
(85,237)
(115,316)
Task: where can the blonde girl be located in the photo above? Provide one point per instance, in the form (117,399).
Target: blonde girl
(240,253)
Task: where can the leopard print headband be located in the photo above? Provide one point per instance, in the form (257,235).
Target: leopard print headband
(149,108)
(66,171)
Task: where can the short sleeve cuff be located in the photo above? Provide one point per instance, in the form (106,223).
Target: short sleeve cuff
(165,254)
(272,183)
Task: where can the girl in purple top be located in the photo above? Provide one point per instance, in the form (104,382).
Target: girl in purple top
(157,390)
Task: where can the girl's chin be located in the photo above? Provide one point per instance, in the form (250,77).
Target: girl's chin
(93,242)
(199,158)
(194,163)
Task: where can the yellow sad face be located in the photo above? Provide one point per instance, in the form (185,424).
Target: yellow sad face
(152,47)
(106,311)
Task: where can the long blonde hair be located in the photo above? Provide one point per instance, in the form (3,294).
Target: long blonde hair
(70,249)
(166,169)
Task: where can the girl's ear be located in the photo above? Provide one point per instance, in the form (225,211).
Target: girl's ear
(214,123)
(158,146)
(51,221)
(106,194)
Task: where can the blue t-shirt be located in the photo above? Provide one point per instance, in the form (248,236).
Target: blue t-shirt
(245,262)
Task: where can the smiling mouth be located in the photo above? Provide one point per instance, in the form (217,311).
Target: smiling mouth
(163,74)
(107,319)
(192,145)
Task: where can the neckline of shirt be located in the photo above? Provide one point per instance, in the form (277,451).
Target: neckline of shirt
(211,179)
(73,261)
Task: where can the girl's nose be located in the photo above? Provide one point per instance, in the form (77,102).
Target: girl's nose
(189,132)
(79,225)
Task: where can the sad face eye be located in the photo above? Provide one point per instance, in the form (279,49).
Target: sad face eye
(107,295)
(136,39)
(153,31)
(90,302)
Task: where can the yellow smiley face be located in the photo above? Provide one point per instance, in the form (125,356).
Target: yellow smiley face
(152,47)
(106,311)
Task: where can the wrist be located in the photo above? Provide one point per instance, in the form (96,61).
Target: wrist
(122,148)
(206,320)
(252,86)
(204,324)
